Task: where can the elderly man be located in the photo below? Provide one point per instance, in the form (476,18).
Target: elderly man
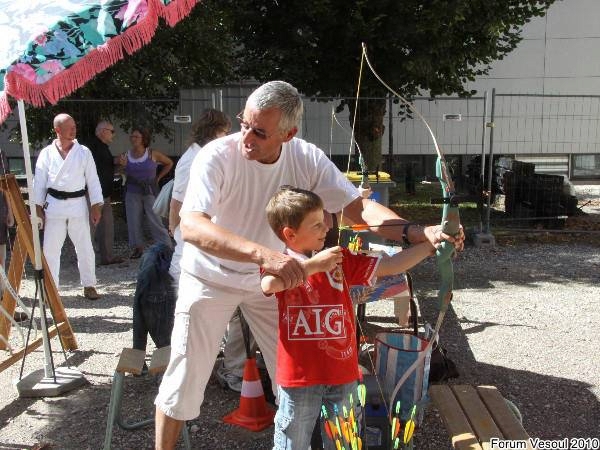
(228,241)
(105,166)
(64,173)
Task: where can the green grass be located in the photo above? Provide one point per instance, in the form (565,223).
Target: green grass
(418,208)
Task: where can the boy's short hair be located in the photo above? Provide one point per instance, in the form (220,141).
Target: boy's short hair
(289,206)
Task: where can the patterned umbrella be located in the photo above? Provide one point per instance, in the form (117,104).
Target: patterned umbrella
(50,48)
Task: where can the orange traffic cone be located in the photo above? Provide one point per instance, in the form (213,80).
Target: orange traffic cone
(253,413)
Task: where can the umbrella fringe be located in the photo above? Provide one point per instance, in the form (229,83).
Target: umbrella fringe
(5,108)
(174,11)
(97,60)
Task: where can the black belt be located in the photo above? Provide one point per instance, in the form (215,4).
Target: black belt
(63,195)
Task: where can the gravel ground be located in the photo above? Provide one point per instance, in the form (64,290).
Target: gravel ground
(523,319)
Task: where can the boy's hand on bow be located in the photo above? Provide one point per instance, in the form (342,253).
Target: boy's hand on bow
(326,260)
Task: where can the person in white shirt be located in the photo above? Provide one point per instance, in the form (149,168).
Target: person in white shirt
(228,241)
(211,124)
(64,174)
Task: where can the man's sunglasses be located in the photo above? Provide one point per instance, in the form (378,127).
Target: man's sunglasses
(245,126)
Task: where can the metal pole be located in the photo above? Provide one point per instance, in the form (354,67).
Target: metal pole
(482,170)
(390,136)
(490,162)
(37,250)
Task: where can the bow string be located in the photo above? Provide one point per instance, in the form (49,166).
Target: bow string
(450,224)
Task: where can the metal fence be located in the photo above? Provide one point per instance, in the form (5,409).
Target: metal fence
(555,134)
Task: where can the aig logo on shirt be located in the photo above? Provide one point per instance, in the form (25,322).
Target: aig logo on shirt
(316,322)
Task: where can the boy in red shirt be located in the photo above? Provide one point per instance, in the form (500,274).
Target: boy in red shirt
(317,362)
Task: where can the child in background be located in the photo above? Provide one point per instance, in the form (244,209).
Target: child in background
(317,361)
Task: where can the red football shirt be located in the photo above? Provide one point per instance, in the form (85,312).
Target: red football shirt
(317,338)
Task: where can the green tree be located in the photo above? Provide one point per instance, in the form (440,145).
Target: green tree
(416,46)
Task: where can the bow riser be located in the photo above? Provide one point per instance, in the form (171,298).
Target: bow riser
(451,226)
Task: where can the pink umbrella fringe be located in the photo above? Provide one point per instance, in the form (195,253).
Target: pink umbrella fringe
(97,60)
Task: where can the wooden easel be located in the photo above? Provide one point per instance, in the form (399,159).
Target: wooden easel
(23,248)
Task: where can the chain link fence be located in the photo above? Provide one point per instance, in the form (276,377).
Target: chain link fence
(532,156)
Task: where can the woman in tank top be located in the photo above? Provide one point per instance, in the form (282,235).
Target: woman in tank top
(141,163)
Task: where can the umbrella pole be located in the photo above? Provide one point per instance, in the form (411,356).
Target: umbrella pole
(49,381)
(37,251)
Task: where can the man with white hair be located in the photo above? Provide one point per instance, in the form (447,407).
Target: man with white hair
(64,173)
(104,232)
(228,241)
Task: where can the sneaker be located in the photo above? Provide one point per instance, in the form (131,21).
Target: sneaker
(227,380)
(90,293)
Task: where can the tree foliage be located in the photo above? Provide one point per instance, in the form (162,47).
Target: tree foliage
(416,46)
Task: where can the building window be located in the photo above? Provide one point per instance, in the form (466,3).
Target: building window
(585,166)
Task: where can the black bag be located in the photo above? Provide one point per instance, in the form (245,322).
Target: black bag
(441,367)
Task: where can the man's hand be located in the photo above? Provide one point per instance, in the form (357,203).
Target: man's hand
(288,269)
(436,236)
(41,216)
(96,213)
(325,260)
(121,160)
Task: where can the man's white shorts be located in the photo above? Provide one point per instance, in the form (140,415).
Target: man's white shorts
(201,316)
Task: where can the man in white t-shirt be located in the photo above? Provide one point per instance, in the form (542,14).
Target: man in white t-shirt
(211,124)
(228,240)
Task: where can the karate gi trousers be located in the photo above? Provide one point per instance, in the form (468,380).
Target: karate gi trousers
(78,229)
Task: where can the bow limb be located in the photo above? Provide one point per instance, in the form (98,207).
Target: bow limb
(450,216)
(451,226)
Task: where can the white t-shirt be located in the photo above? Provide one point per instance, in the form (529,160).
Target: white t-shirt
(182,171)
(234,192)
(180,183)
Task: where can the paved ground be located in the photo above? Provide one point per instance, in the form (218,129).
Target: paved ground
(524,319)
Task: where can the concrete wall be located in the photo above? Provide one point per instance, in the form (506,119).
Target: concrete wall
(559,54)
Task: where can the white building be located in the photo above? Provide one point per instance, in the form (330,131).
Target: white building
(546,107)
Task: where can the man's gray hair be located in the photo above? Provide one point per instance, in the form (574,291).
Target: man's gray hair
(281,95)
(102,125)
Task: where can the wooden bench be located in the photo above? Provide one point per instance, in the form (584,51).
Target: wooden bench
(132,361)
(474,416)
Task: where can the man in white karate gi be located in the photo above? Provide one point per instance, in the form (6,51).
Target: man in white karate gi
(64,173)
